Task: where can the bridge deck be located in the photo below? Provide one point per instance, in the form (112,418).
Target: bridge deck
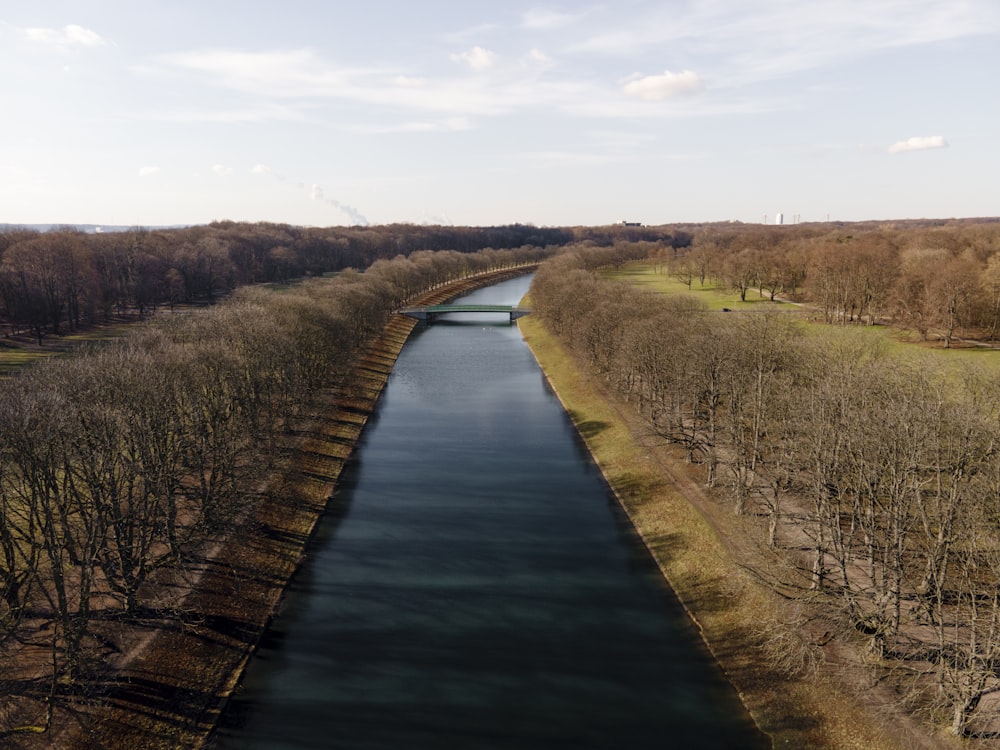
(429,312)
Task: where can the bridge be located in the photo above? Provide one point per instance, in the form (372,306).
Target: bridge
(429,313)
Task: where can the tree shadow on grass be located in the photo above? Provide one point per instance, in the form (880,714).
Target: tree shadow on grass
(588,428)
(141,703)
(157,697)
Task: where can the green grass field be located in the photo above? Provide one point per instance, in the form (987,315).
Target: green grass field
(17,354)
(13,358)
(896,341)
(716,298)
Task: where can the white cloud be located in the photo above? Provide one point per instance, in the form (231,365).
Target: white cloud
(447,125)
(266,171)
(477,58)
(767,39)
(537,57)
(918,143)
(545,19)
(282,73)
(302,74)
(620,42)
(71,35)
(549,159)
(148,171)
(222,170)
(663,86)
(258,112)
(471,33)
(409,82)
(621,140)
(283,83)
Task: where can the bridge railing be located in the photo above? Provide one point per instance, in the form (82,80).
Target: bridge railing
(428,313)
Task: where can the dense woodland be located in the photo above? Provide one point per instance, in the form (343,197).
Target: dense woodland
(61,280)
(874,477)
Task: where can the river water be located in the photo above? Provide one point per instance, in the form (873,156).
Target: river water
(478,587)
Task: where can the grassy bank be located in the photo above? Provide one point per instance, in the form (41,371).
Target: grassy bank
(708,557)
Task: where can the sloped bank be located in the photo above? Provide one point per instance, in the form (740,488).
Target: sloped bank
(704,554)
(169,689)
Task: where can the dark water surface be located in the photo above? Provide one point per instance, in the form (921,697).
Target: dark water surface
(479,587)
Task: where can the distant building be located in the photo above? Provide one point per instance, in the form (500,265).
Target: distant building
(780,218)
(624,223)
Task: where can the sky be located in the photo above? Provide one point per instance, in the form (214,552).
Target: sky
(323,113)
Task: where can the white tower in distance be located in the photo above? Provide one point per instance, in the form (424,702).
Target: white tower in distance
(779,218)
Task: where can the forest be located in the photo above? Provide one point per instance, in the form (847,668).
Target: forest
(871,471)
(59,281)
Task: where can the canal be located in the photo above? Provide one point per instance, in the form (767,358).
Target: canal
(477,586)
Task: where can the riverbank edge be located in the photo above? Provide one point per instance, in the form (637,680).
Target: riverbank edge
(698,547)
(174,678)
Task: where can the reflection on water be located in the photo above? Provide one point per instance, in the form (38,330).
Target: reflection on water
(479,587)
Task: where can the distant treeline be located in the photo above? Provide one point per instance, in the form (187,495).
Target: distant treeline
(56,281)
(940,279)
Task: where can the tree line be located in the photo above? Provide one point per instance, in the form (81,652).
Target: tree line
(57,281)
(938,279)
(60,280)
(875,476)
(128,457)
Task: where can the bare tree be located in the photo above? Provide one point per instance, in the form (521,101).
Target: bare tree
(37,423)
(967,654)
(952,292)
(759,367)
